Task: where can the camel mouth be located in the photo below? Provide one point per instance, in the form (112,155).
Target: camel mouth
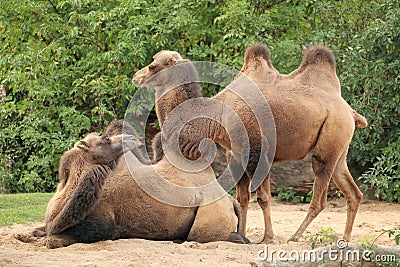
(137,81)
(128,142)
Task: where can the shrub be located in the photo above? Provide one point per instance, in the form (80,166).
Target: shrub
(66,65)
(384,176)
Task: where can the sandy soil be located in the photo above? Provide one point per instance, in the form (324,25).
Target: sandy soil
(372,217)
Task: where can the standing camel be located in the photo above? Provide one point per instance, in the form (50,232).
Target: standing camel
(310,116)
(309,113)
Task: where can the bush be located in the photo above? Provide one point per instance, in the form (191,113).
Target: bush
(384,176)
(66,65)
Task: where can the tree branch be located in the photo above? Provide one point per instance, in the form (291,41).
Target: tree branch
(97,43)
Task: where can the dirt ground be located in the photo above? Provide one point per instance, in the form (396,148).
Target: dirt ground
(372,217)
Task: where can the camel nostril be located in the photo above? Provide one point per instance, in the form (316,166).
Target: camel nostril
(137,81)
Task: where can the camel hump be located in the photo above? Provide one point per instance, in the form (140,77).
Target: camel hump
(255,51)
(319,55)
(359,120)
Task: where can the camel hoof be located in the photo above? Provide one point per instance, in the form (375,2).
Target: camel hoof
(39,232)
(346,238)
(58,242)
(26,238)
(293,238)
(269,241)
(236,237)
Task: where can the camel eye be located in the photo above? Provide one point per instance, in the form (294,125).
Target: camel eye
(107,139)
(152,68)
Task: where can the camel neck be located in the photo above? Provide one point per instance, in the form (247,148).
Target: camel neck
(167,101)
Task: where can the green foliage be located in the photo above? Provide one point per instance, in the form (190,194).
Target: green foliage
(66,65)
(384,176)
(288,195)
(324,236)
(368,242)
(393,233)
(23,208)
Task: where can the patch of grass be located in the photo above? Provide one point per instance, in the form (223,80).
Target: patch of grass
(288,195)
(324,236)
(23,208)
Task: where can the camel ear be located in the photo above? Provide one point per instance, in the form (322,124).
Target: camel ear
(171,61)
(82,145)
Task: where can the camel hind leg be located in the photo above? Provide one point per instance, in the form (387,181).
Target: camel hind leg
(351,192)
(331,145)
(323,171)
(216,221)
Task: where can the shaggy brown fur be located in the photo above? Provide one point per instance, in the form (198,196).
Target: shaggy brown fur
(117,207)
(309,113)
(82,173)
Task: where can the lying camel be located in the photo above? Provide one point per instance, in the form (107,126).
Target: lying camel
(93,203)
(308,110)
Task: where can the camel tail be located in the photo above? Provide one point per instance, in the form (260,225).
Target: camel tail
(359,120)
(257,50)
(319,55)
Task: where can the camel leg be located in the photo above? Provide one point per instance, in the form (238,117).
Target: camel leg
(323,171)
(94,228)
(353,195)
(243,197)
(59,241)
(263,193)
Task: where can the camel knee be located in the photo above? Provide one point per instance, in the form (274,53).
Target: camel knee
(242,190)
(317,207)
(263,203)
(243,199)
(354,201)
(321,167)
(263,199)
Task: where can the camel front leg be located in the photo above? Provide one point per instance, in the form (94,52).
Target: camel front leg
(264,200)
(243,197)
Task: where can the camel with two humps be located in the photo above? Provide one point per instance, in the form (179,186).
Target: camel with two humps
(309,112)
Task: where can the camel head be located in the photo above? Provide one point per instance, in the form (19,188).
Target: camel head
(117,127)
(162,60)
(103,148)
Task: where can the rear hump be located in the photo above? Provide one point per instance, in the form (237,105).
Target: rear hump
(318,55)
